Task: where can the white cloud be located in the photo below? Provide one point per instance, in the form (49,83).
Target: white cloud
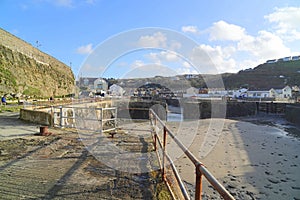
(265,46)
(210,59)
(175,45)
(87,49)
(156,40)
(222,30)
(189,29)
(140,69)
(163,56)
(286,22)
(186,69)
(137,64)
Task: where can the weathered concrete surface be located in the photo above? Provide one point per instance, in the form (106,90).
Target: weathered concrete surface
(60,167)
(12,127)
(36,116)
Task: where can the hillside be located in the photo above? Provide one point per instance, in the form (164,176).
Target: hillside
(263,77)
(266,76)
(25,69)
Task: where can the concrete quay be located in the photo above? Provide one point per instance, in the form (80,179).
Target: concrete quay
(61,166)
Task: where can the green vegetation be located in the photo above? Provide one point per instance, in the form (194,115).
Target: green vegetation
(7,77)
(264,76)
(31,91)
(28,71)
(10,108)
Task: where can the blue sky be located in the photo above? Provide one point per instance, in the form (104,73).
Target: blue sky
(234,34)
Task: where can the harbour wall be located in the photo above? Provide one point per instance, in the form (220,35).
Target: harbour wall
(292,113)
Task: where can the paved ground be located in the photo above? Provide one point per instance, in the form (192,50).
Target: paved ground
(12,127)
(60,166)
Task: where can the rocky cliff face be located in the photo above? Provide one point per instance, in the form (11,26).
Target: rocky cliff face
(26,70)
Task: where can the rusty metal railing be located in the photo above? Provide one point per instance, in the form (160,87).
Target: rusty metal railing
(200,169)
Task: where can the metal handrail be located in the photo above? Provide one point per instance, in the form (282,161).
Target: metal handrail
(199,167)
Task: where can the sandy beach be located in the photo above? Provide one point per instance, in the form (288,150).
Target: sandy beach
(251,159)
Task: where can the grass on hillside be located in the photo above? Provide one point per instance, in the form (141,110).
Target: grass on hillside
(10,108)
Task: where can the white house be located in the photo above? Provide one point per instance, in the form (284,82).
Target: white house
(295,88)
(283,93)
(258,94)
(100,85)
(217,92)
(237,93)
(192,91)
(116,90)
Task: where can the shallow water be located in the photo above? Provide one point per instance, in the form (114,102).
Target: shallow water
(174,117)
(286,128)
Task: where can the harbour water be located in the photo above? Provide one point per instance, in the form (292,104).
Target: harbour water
(174,117)
(174,114)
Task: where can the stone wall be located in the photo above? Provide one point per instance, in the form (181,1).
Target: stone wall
(221,109)
(140,109)
(292,113)
(35,116)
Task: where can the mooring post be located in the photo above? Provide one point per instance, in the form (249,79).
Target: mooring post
(198,186)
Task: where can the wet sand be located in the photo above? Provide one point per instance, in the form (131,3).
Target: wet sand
(253,161)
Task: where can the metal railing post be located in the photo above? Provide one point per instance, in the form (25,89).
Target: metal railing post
(116,115)
(101,120)
(199,167)
(198,187)
(61,116)
(164,154)
(155,142)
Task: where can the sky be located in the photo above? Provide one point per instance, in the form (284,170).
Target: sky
(134,38)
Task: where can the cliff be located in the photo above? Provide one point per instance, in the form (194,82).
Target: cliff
(27,70)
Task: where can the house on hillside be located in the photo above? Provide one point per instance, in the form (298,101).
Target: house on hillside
(100,85)
(86,82)
(271,61)
(258,94)
(94,85)
(192,91)
(284,93)
(116,90)
(277,94)
(217,92)
(240,93)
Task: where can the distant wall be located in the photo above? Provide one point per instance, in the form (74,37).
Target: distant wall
(140,109)
(221,109)
(292,113)
(39,117)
